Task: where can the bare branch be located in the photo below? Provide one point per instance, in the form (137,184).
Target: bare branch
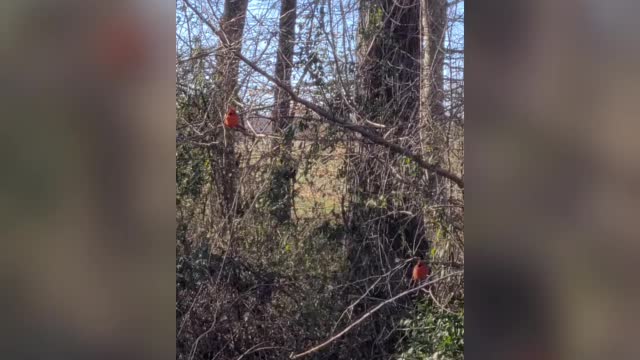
(369,313)
(332,118)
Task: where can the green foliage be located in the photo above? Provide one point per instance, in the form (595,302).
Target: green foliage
(377,203)
(192,269)
(278,198)
(192,172)
(376,17)
(433,334)
(411,167)
(443,244)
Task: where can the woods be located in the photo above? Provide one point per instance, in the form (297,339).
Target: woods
(297,237)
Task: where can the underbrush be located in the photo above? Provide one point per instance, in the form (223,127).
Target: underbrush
(433,333)
(275,290)
(258,288)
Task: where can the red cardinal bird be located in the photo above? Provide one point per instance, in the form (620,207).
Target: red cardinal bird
(420,272)
(231,119)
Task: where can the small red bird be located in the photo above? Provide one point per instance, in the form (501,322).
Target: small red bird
(420,272)
(231,119)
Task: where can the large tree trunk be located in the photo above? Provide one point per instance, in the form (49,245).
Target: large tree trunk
(384,214)
(439,135)
(224,161)
(432,116)
(283,173)
(388,74)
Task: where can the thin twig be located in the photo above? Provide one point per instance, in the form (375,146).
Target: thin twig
(256,348)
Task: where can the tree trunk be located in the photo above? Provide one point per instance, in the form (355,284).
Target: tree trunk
(283,173)
(388,70)
(432,116)
(385,219)
(224,161)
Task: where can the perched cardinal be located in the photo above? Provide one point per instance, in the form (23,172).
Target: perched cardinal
(420,272)
(231,119)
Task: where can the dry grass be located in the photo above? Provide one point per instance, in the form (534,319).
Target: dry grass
(320,190)
(318,186)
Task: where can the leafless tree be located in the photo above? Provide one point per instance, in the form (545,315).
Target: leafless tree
(284,170)
(365,100)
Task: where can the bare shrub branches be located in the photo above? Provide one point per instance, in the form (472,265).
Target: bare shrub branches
(332,118)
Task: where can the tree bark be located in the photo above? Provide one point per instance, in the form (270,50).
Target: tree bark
(283,172)
(225,163)
(388,90)
(388,94)
(432,115)
(433,24)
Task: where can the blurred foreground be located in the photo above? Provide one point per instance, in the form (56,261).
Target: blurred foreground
(552,167)
(87,185)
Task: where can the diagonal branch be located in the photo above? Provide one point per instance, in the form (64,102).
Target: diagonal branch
(330,117)
(369,313)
